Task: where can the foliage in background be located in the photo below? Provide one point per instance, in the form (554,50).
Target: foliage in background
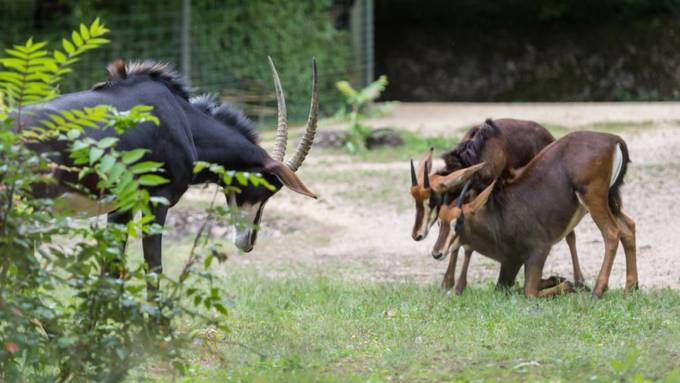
(230,41)
(359,102)
(71,307)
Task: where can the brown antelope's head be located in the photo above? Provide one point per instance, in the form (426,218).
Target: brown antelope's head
(451,217)
(251,200)
(428,190)
(427,201)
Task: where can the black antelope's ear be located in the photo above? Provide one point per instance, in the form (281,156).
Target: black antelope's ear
(287,177)
(423,167)
(456,178)
(480,200)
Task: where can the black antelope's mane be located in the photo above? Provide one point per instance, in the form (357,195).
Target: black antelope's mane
(120,70)
(226,113)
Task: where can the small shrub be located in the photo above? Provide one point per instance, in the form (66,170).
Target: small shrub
(359,101)
(75,310)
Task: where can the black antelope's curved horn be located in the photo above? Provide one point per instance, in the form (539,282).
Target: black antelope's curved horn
(426,176)
(414,177)
(308,138)
(459,201)
(279,150)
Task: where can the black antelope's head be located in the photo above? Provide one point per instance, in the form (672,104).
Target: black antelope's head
(251,199)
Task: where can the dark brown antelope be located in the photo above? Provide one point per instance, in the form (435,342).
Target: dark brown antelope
(504,145)
(577,174)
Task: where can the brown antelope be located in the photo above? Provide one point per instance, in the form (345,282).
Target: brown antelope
(579,173)
(504,145)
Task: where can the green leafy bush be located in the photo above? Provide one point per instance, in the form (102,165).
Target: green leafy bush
(71,307)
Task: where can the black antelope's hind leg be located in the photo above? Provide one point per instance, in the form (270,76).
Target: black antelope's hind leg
(462,278)
(579,280)
(627,227)
(117,267)
(450,275)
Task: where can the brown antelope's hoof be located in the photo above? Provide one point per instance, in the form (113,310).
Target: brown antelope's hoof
(567,287)
(444,288)
(596,295)
(634,287)
(581,286)
(459,290)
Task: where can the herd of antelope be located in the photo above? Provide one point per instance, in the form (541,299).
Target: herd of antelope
(508,190)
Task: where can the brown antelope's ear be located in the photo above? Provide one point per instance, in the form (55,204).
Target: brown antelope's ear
(424,166)
(287,177)
(479,201)
(456,178)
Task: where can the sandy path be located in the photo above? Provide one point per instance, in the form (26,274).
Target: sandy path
(355,233)
(432,118)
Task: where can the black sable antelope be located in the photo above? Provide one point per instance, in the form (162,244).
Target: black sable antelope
(577,174)
(187,133)
(504,145)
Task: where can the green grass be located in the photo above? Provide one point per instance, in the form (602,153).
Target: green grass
(313,328)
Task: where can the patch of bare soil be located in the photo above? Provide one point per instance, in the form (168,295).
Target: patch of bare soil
(358,231)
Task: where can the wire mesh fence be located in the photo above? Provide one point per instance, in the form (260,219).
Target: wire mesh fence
(226,45)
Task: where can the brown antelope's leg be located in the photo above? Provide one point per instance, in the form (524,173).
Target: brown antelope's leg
(508,274)
(611,234)
(532,278)
(450,276)
(579,280)
(562,288)
(627,226)
(462,278)
(551,281)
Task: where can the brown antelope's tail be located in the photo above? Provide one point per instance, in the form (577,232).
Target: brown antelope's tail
(614,190)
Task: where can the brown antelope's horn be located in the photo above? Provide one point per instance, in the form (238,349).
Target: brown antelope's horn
(459,176)
(426,176)
(308,138)
(459,201)
(427,157)
(414,177)
(279,150)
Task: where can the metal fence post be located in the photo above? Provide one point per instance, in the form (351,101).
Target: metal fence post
(186,40)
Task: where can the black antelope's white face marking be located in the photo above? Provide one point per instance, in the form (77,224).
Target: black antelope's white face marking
(249,216)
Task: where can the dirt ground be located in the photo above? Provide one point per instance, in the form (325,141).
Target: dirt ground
(359,228)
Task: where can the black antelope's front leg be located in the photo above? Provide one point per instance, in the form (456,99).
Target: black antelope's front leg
(152,246)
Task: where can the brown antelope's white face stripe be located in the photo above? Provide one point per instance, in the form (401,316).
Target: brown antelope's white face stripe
(448,238)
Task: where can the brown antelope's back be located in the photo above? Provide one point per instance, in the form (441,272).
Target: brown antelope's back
(504,144)
(584,156)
